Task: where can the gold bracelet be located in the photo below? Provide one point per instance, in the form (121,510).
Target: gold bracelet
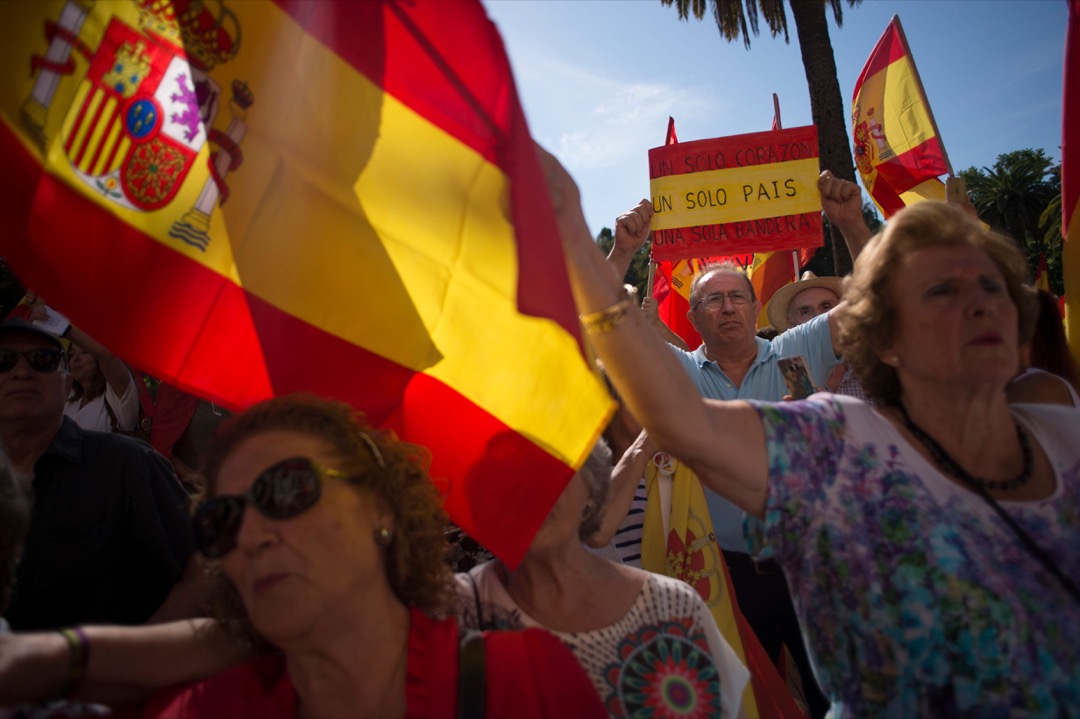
(609,318)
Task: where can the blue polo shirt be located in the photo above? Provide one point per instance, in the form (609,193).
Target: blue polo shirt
(812,341)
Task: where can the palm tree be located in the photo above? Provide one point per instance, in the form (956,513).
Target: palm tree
(1013,195)
(1020,196)
(738,19)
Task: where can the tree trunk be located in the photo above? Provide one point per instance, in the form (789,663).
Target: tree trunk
(826,105)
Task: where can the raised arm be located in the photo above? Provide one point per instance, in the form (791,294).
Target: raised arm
(842,203)
(631,232)
(723,442)
(625,478)
(116,373)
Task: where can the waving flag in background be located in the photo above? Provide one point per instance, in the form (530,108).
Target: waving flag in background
(347,201)
(897,148)
(1070,178)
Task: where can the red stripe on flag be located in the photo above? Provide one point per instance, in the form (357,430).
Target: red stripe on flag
(508,482)
(888,50)
(414,52)
(914,166)
(84,269)
(1070,124)
(672,138)
(101,143)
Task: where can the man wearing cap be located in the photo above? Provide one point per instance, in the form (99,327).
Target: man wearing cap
(110,535)
(733,363)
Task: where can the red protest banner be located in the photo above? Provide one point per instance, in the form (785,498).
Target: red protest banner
(731,195)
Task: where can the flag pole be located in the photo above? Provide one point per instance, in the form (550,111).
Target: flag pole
(652,276)
(777,125)
(922,92)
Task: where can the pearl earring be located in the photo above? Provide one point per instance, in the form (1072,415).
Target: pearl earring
(383,535)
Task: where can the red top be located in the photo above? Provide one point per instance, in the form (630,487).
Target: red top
(528,675)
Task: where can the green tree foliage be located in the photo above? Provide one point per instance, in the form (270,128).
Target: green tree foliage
(638,274)
(738,19)
(1020,196)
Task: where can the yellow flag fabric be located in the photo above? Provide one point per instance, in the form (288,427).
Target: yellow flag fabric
(686,549)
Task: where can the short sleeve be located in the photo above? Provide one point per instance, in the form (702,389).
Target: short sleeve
(813,342)
(804,442)
(125,406)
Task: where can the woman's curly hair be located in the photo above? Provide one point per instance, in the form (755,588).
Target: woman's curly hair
(868,317)
(415,557)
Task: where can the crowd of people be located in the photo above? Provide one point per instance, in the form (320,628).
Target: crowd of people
(904,535)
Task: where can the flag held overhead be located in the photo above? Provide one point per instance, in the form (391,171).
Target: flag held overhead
(387,237)
(897,147)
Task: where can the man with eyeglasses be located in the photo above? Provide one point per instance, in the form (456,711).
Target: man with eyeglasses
(733,363)
(110,534)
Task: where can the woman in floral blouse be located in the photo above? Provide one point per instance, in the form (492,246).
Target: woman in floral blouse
(897,527)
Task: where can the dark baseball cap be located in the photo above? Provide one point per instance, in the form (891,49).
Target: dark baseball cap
(18,324)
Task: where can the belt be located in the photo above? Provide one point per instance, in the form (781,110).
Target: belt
(740,563)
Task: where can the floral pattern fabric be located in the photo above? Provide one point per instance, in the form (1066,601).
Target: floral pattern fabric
(916,599)
(663,658)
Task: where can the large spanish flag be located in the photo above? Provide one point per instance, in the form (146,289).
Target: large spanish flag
(253,198)
(897,147)
(1070,178)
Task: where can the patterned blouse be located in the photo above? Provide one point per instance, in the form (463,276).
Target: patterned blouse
(665,657)
(915,598)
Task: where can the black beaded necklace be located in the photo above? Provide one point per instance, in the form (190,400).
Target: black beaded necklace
(951,466)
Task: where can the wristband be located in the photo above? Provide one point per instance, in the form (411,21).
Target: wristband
(78,658)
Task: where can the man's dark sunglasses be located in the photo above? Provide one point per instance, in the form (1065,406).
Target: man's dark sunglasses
(40,360)
(281,492)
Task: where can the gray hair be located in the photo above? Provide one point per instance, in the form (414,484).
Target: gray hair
(727,266)
(596,473)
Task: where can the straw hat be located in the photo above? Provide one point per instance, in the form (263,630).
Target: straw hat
(781,299)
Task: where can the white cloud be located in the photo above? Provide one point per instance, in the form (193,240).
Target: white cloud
(614,119)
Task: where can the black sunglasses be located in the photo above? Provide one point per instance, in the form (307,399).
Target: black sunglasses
(40,360)
(281,492)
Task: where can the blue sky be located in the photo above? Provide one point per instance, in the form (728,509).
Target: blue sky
(599,78)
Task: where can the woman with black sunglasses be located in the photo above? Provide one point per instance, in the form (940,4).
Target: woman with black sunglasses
(326,538)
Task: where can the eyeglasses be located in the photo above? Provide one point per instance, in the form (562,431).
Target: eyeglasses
(716,300)
(286,490)
(40,360)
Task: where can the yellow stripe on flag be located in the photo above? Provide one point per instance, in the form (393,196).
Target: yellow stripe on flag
(909,124)
(933,189)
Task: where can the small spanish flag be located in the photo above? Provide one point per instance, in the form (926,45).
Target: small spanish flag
(896,144)
(248,199)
